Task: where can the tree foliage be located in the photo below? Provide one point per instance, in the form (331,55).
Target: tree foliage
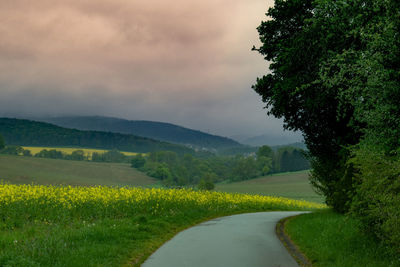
(316,84)
(2,142)
(175,170)
(335,76)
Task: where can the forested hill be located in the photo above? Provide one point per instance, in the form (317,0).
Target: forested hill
(33,133)
(150,129)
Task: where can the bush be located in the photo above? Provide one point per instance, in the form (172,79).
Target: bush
(52,154)
(206,185)
(207,182)
(377,198)
(138,161)
(12,150)
(27,153)
(114,156)
(77,155)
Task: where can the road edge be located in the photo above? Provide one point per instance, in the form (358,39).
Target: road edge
(292,248)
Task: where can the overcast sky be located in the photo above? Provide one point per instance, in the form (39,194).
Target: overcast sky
(183,62)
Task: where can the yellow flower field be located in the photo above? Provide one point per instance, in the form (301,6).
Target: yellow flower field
(68,150)
(93,201)
(108,226)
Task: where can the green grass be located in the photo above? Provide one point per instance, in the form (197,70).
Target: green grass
(293,185)
(108,226)
(330,239)
(25,170)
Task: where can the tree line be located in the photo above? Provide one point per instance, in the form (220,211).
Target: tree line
(335,77)
(175,170)
(78,155)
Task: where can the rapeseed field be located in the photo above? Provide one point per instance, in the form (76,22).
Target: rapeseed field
(68,150)
(89,226)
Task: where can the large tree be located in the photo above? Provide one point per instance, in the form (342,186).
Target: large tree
(308,44)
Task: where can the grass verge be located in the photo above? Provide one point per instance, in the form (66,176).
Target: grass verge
(331,239)
(108,226)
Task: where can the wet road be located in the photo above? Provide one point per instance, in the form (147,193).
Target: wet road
(235,241)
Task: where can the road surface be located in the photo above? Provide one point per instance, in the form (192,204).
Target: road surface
(245,240)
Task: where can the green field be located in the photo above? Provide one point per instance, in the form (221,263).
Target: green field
(25,170)
(293,185)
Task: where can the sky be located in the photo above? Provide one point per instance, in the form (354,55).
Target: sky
(184,62)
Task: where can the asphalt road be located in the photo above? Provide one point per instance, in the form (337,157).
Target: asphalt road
(245,240)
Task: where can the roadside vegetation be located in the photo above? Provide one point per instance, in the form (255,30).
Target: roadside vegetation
(334,76)
(97,226)
(331,239)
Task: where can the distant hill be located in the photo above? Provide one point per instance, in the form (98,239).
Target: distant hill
(33,133)
(296,145)
(150,129)
(267,139)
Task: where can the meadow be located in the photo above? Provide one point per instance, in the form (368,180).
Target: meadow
(293,185)
(98,226)
(26,170)
(68,150)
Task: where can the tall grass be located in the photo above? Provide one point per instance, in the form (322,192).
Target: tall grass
(329,239)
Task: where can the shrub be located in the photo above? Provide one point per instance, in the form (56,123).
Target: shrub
(138,161)
(377,199)
(206,183)
(12,150)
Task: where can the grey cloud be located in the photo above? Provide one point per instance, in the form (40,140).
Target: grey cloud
(185,62)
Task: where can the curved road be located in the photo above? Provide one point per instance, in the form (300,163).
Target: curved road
(235,241)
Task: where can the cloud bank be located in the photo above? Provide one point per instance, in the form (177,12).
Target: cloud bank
(184,62)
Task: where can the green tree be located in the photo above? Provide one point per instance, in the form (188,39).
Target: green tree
(77,155)
(207,182)
(26,153)
(376,87)
(114,156)
(265,151)
(302,40)
(162,172)
(264,164)
(2,142)
(138,161)
(246,168)
(52,154)
(97,157)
